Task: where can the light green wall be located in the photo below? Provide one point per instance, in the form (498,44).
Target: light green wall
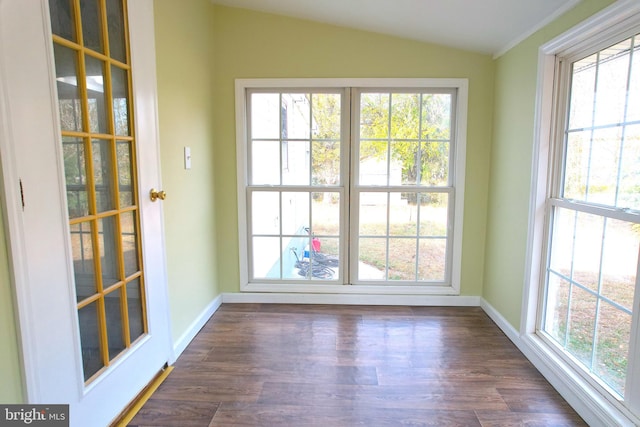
(512,149)
(184,55)
(10,372)
(258,45)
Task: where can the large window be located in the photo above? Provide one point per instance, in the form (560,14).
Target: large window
(342,183)
(589,298)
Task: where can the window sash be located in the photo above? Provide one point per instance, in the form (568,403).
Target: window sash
(555,190)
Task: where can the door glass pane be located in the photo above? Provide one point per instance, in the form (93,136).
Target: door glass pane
(128,229)
(83,260)
(109,259)
(90,340)
(115,338)
(103,174)
(75,176)
(120,95)
(91,25)
(135,305)
(62,19)
(115,24)
(96,96)
(125,166)
(69,101)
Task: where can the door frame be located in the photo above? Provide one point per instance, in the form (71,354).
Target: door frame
(29,300)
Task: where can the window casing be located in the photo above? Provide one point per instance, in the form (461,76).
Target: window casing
(329,198)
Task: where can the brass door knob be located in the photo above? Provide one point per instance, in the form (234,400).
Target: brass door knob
(155,194)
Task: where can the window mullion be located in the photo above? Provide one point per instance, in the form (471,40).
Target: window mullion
(595,336)
(347,148)
(624,128)
(593,122)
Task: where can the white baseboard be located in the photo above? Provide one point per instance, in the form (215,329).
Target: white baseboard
(511,332)
(294,298)
(193,329)
(588,403)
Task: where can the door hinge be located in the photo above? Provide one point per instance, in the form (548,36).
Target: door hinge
(21,194)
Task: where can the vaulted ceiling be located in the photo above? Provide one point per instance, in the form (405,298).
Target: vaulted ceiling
(486,26)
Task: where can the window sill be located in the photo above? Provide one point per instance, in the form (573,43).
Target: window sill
(323,288)
(593,406)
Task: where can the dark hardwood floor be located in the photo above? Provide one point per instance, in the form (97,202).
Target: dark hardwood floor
(311,365)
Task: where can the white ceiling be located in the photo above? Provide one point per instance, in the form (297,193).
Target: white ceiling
(486,26)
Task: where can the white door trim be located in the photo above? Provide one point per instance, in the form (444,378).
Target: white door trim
(33,353)
(21,20)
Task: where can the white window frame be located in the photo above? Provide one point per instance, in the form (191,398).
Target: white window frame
(587,396)
(458,158)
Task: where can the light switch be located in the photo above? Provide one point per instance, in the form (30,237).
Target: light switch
(187,157)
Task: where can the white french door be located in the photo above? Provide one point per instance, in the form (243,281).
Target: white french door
(78,141)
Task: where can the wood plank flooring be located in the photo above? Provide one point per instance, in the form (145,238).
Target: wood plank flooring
(312,365)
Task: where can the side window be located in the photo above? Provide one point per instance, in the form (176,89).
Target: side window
(594,216)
